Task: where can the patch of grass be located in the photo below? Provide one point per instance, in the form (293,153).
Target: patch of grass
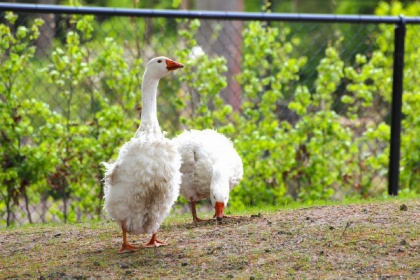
(320,203)
(355,238)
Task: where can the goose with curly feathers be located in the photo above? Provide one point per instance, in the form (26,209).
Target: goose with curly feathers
(210,168)
(143,183)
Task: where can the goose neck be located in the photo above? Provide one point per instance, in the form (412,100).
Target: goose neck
(149,94)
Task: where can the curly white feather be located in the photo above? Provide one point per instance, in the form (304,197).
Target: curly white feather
(210,168)
(143,183)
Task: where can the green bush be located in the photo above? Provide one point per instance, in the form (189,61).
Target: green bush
(26,153)
(312,152)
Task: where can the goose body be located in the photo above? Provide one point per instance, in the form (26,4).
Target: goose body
(143,183)
(210,168)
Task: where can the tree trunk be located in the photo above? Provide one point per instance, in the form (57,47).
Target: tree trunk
(227,44)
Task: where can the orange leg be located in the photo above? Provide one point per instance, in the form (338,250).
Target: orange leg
(194,212)
(154,242)
(126,247)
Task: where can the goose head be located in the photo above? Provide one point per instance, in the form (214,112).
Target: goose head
(161,66)
(219,193)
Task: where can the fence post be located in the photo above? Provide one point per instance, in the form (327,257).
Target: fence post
(396,110)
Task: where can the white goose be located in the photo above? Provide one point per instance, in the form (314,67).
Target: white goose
(210,168)
(143,183)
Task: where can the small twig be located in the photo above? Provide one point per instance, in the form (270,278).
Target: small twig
(347,226)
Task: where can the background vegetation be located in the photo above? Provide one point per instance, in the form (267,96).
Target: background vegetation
(308,127)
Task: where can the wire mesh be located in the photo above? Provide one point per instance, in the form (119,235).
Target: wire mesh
(140,39)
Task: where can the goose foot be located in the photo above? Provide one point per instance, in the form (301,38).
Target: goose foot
(194,213)
(126,247)
(154,242)
(198,220)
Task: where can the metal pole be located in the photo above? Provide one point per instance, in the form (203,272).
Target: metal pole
(219,15)
(396,111)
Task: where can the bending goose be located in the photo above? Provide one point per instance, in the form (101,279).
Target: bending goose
(143,183)
(210,168)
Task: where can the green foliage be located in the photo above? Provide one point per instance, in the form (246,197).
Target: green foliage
(410,142)
(57,154)
(207,108)
(25,152)
(268,69)
(87,140)
(297,142)
(281,159)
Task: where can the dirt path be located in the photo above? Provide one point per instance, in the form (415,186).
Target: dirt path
(370,241)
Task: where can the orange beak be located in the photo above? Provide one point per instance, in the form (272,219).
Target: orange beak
(173,65)
(219,210)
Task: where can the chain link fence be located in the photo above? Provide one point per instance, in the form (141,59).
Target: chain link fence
(125,44)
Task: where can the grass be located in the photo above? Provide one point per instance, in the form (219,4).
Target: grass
(350,239)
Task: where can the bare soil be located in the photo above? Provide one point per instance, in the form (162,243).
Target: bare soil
(368,241)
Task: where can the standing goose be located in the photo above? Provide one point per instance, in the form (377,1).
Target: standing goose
(210,168)
(143,183)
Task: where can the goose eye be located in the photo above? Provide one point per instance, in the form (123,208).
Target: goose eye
(159,61)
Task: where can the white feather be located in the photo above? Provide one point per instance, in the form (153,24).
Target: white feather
(143,183)
(211,166)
